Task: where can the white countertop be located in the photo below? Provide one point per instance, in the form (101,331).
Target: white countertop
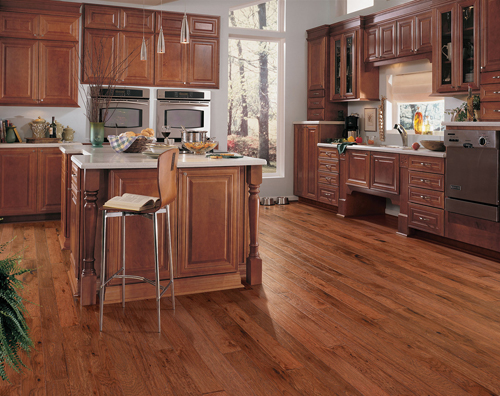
(319,122)
(408,150)
(33,145)
(107,158)
(493,124)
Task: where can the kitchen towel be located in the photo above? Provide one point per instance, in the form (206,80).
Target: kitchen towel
(342,146)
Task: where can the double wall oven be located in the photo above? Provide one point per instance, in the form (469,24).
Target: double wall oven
(177,109)
(128,110)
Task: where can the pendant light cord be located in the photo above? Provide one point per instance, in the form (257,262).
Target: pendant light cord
(143,20)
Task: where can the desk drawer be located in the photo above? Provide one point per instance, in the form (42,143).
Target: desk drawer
(426,180)
(316,103)
(426,197)
(317,93)
(329,195)
(328,153)
(426,164)
(315,114)
(426,219)
(490,111)
(331,179)
(328,166)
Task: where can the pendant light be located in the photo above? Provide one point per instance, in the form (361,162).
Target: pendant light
(160,48)
(185,29)
(144,53)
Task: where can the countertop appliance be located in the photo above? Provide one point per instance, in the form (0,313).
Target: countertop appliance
(351,127)
(472,173)
(128,110)
(177,109)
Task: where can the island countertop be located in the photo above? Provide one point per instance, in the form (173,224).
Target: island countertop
(107,158)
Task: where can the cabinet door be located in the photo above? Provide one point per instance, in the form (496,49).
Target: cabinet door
(49,180)
(299,166)
(139,236)
(209,244)
(100,53)
(200,25)
(102,17)
(490,35)
(423,32)
(388,40)
(18,71)
(384,172)
(170,22)
(76,232)
(170,70)
(358,168)
(136,71)
(134,20)
(467,55)
(406,39)
(336,81)
(311,162)
(59,27)
(316,63)
(19,24)
(350,70)
(443,65)
(203,64)
(18,181)
(372,44)
(58,73)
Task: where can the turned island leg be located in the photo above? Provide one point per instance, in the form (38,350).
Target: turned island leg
(89,276)
(254,262)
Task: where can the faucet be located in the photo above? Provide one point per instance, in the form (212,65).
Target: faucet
(404,135)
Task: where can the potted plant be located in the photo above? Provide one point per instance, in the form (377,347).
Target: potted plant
(102,71)
(14,332)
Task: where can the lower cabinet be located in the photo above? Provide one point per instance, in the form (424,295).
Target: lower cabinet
(328,175)
(30,181)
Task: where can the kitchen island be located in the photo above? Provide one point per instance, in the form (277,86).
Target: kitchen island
(214,222)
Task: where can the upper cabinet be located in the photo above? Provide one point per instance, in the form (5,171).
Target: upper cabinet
(456,41)
(193,65)
(490,35)
(39,53)
(350,78)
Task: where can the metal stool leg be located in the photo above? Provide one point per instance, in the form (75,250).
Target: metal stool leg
(123,259)
(170,258)
(103,269)
(157,269)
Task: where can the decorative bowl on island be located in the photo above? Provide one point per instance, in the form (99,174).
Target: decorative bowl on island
(200,147)
(433,145)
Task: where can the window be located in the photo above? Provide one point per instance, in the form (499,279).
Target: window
(409,93)
(255,76)
(356,5)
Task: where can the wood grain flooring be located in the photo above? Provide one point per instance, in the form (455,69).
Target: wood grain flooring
(347,307)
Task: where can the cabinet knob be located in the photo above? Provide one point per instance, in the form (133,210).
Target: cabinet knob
(482,67)
(423,218)
(416,50)
(496,77)
(41,100)
(496,111)
(424,197)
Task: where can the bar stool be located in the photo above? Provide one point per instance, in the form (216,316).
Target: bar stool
(167,188)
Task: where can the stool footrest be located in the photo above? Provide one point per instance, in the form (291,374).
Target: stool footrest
(136,277)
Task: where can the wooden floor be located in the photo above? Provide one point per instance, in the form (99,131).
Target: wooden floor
(347,308)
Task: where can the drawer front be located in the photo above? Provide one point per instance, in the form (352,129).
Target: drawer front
(426,197)
(425,180)
(426,219)
(329,195)
(328,166)
(490,93)
(316,103)
(317,93)
(327,153)
(331,179)
(75,178)
(490,111)
(490,78)
(426,164)
(315,114)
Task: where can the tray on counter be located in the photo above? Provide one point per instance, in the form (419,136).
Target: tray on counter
(43,140)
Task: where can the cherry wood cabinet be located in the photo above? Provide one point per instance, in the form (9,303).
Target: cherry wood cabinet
(137,72)
(456,41)
(30,181)
(170,67)
(387,40)
(414,34)
(358,168)
(328,175)
(384,172)
(39,27)
(98,42)
(18,181)
(203,63)
(351,78)
(75,225)
(490,35)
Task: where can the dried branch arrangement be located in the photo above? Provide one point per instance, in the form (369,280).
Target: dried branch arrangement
(102,71)
(381,124)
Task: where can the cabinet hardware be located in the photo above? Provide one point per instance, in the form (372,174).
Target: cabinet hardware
(316,103)
(316,114)
(425,197)
(482,67)
(328,166)
(496,92)
(328,179)
(496,111)
(328,154)
(327,194)
(424,180)
(496,77)
(41,100)
(316,93)
(425,164)
(416,50)
(423,218)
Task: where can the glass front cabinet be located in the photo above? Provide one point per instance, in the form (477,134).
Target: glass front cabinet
(456,62)
(343,60)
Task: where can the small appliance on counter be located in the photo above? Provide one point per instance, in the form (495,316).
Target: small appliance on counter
(351,127)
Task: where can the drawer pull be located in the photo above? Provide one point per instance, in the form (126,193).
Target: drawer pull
(496,77)
(423,218)
(425,164)
(425,197)
(328,154)
(316,103)
(496,111)
(317,93)
(327,194)
(425,180)
(316,114)
(496,92)
(328,166)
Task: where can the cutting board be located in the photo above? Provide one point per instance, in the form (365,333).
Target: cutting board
(43,140)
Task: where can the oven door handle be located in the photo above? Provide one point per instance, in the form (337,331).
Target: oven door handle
(130,102)
(185,104)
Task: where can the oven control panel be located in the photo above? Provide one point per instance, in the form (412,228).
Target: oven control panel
(471,139)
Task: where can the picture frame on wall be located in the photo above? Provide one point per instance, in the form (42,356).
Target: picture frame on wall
(370,119)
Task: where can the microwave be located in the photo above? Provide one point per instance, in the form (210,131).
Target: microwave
(128,110)
(178,109)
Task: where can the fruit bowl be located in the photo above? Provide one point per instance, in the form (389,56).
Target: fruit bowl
(200,147)
(434,145)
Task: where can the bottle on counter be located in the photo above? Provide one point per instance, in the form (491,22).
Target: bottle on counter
(418,122)
(52,128)
(427,126)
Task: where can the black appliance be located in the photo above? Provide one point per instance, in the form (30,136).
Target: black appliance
(472,173)
(351,127)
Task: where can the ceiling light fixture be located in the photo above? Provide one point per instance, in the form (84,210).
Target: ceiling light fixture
(144,53)
(160,48)
(185,29)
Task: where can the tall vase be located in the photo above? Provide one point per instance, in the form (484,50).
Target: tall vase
(97,133)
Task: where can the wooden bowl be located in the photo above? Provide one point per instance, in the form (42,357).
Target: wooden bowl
(434,145)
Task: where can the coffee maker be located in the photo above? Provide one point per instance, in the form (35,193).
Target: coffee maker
(351,127)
